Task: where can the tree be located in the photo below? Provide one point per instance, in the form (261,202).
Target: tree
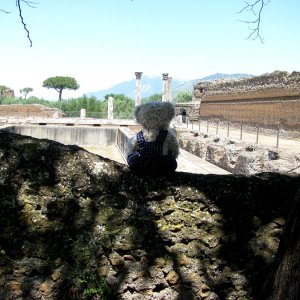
(183,96)
(123,106)
(25,91)
(19,7)
(254,34)
(256,8)
(60,83)
(153,98)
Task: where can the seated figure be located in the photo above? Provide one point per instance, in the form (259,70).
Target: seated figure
(154,149)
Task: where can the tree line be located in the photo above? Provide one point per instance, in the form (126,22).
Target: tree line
(123,106)
(97,108)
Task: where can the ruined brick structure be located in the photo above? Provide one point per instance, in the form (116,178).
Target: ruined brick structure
(29,110)
(9,93)
(268,100)
(190,109)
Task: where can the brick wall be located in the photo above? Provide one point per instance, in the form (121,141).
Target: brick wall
(267,100)
(29,110)
(266,113)
(191,109)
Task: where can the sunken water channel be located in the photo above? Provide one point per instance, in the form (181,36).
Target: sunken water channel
(109,142)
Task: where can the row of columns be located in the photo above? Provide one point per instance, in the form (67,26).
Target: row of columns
(166,88)
(166,94)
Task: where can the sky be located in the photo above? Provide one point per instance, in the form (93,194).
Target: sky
(103,42)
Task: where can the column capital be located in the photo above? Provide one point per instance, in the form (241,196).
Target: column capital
(165,76)
(138,75)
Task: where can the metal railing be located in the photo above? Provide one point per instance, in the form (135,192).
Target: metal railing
(242,130)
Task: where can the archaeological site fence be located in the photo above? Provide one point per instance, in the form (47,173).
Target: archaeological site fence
(241,130)
(230,120)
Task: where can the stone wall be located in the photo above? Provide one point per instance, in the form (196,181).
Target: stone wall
(190,109)
(268,100)
(9,93)
(78,226)
(267,114)
(239,157)
(29,110)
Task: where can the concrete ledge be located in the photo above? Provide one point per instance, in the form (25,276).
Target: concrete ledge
(122,141)
(69,135)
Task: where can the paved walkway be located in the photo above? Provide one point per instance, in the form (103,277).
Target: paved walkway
(190,163)
(187,162)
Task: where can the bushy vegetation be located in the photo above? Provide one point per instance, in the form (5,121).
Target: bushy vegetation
(95,108)
(30,100)
(123,106)
(153,98)
(183,96)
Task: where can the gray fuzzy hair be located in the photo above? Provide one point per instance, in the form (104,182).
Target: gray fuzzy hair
(155,115)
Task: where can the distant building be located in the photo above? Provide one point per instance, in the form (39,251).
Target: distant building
(9,93)
(268,100)
(29,110)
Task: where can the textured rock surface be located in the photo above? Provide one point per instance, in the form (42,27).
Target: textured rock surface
(78,226)
(29,111)
(270,85)
(240,157)
(265,101)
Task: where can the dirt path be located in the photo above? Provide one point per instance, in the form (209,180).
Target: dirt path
(270,140)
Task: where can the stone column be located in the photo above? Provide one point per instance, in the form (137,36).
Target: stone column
(138,99)
(164,87)
(169,89)
(110,108)
(82,113)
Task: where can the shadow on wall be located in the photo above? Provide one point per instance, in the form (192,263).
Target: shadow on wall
(75,225)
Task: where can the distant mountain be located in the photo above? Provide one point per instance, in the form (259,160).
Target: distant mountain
(222,75)
(153,85)
(149,85)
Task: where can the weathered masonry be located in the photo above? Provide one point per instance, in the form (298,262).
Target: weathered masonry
(29,111)
(268,100)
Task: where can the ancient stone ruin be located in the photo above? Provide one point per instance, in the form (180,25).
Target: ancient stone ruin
(239,157)
(269,100)
(77,226)
(9,93)
(268,103)
(29,111)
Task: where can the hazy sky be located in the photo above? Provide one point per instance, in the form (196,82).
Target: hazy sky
(103,42)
